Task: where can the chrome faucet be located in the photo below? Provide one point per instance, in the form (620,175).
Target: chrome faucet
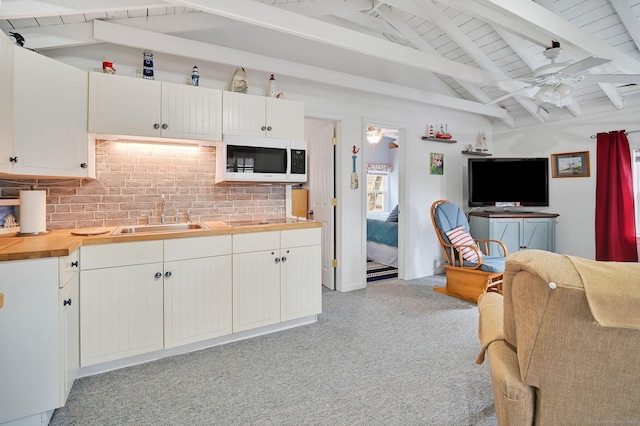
(162,217)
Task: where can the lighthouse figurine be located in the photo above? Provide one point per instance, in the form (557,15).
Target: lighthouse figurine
(195,76)
(272,86)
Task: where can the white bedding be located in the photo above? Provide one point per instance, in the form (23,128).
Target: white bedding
(382,253)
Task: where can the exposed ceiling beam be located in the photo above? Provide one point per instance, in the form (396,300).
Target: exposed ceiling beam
(326,7)
(370,22)
(273,18)
(16,9)
(418,42)
(628,18)
(69,35)
(530,20)
(172,45)
(556,26)
(421,44)
(427,10)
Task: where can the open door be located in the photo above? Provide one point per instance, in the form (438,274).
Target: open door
(320,135)
(380,151)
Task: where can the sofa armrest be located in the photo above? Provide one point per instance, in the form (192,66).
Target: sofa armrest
(490,323)
(514,400)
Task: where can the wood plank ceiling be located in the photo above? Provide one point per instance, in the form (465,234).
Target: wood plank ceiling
(468,55)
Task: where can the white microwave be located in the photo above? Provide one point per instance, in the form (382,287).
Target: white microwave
(252,159)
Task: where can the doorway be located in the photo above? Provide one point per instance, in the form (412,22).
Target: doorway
(381,165)
(321,135)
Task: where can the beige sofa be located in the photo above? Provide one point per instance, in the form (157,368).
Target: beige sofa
(563,341)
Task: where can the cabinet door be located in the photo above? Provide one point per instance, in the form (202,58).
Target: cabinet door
(69,306)
(256,289)
(6,103)
(191,112)
(197,300)
(124,105)
(508,231)
(301,284)
(29,340)
(243,114)
(50,117)
(121,312)
(285,119)
(538,234)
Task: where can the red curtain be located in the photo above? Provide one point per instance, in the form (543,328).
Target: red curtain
(615,221)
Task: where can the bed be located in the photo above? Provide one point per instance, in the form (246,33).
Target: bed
(382,239)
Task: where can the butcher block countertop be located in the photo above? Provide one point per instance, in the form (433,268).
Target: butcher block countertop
(62,242)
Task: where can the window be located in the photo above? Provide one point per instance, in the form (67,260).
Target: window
(377,192)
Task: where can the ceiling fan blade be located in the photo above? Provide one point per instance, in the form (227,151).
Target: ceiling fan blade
(584,65)
(530,92)
(613,78)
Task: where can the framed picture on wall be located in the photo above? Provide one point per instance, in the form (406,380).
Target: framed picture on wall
(570,164)
(437,163)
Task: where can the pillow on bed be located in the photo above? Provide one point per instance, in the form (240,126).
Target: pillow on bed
(393,216)
(459,236)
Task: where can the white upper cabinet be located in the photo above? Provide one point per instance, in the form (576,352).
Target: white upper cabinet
(127,106)
(250,115)
(124,105)
(6,103)
(47,134)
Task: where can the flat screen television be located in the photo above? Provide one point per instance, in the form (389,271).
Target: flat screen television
(508,182)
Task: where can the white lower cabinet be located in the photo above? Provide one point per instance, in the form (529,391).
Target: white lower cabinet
(121,312)
(121,298)
(168,293)
(69,323)
(38,337)
(140,297)
(256,288)
(299,294)
(197,289)
(276,277)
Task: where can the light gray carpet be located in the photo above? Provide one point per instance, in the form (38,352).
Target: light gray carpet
(395,353)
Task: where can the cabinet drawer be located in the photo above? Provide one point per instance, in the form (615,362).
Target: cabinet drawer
(301,237)
(121,254)
(68,266)
(256,241)
(196,247)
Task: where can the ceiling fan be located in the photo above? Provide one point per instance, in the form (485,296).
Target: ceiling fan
(557,79)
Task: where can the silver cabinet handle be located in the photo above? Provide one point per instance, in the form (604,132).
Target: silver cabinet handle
(167,274)
(158,275)
(156,126)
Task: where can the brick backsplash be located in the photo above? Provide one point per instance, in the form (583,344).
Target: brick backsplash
(131,179)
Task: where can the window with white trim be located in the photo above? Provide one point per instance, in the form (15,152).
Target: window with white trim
(378,187)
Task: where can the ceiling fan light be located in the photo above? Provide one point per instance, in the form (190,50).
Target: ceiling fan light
(545,93)
(563,90)
(374,134)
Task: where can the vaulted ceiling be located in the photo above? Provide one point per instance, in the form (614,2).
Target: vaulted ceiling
(471,55)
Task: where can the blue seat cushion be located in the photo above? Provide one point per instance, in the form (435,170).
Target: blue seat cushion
(489,264)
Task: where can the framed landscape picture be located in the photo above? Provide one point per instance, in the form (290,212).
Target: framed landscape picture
(570,164)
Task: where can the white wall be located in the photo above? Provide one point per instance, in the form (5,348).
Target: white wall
(572,198)
(418,189)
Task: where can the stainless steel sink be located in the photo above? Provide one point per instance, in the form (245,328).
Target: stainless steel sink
(154,229)
(252,222)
